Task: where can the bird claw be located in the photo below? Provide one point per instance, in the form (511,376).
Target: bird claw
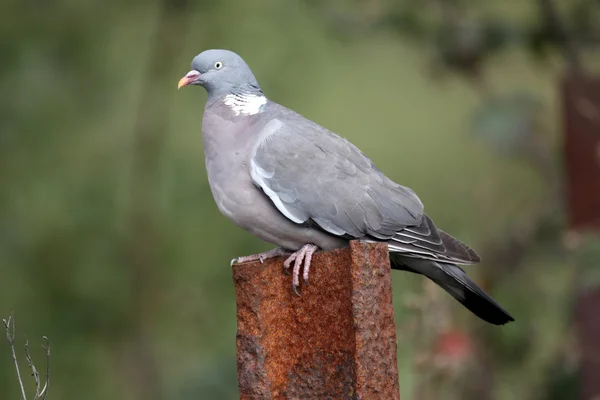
(300,257)
(262,257)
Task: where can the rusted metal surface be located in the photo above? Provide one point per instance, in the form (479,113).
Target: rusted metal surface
(581,103)
(336,341)
(588,329)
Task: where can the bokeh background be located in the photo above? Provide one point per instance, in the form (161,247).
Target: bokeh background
(111,244)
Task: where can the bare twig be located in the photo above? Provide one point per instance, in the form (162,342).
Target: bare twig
(46,347)
(34,371)
(10,326)
(40,393)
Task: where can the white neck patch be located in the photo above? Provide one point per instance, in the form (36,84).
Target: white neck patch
(247,104)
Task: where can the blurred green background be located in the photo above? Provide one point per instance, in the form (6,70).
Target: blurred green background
(111,244)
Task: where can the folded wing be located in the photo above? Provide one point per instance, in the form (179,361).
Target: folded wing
(316,177)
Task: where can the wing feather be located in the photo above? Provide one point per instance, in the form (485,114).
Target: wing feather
(313,176)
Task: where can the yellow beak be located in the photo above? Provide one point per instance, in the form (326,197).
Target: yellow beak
(188,78)
(183,82)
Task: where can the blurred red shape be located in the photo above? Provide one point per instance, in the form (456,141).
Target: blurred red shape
(581,104)
(454,345)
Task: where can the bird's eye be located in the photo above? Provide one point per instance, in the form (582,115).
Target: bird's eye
(218,65)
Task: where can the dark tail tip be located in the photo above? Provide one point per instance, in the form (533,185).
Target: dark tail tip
(458,284)
(485,308)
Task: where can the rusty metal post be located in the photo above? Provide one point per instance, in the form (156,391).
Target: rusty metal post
(335,341)
(588,334)
(581,102)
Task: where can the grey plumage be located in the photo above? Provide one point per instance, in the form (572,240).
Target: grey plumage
(292,182)
(456,282)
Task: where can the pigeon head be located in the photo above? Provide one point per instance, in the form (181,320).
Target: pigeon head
(221,72)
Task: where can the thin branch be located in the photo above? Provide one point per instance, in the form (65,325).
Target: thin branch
(40,393)
(34,372)
(46,348)
(8,324)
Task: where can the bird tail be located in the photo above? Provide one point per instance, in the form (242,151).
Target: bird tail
(455,281)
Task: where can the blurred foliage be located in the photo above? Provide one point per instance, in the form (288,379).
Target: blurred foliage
(506,122)
(462,34)
(125,268)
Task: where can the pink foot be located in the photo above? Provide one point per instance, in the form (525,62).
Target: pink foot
(276,252)
(303,255)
